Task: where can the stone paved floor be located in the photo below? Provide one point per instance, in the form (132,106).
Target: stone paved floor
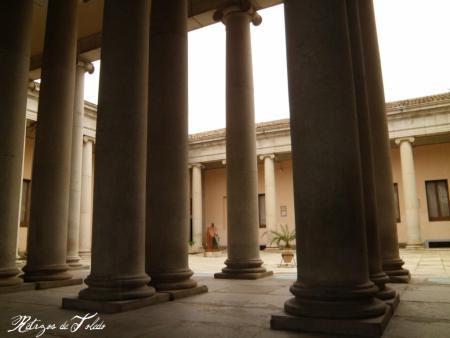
(242,308)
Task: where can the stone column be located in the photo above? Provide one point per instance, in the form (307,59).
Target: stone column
(331,295)
(15,39)
(270,191)
(76,165)
(167,175)
(412,217)
(243,260)
(387,226)
(197,206)
(118,244)
(86,198)
(47,233)
(376,273)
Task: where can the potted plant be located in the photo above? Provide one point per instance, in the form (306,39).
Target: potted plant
(287,236)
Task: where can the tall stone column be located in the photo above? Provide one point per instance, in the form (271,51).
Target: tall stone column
(412,217)
(376,273)
(86,198)
(197,206)
(167,172)
(76,165)
(118,244)
(331,295)
(387,226)
(15,39)
(243,260)
(270,191)
(47,235)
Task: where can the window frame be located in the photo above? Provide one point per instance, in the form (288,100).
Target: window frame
(397,203)
(438,218)
(261,225)
(26,217)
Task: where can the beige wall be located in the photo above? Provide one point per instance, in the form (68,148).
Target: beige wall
(214,197)
(431,162)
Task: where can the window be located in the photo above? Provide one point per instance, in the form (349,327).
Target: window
(25,204)
(437,198)
(397,205)
(262,210)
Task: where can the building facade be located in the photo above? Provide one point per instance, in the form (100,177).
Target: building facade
(422,124)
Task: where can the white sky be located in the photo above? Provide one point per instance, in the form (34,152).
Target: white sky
(414,37)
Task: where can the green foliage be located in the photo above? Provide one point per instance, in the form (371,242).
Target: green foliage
(284,235)
(191,243)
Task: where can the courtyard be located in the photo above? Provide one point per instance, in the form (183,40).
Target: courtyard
(240,308)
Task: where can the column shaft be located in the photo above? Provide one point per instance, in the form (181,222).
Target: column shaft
(118,261)
(47,235)
(86,198)
(328,197)
(376,273)
(197,207)
(410,199)
(15,39)
(75,168)
(167,176)
(270,192)
(242,174)
(392,264)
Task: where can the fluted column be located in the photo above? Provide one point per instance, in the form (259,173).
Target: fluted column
(243,260)
(376,273)
(197,206)
(412,217)
(86,198)
(167,175)
(387,226)
(47,235)
(270,191)
(118,244)
(15,39)
(331,295)
(76,165)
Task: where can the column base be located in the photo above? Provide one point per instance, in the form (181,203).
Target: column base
(10,277)
(397,274)
(103,306)
(107,288)
(17,288)
(243,275)
(239,268)
(58,283)
(393,302)
(46,273)
(358,327)
(183,293)
(172,281)
(73,260)
(414,246)
(386,294)
(85,254)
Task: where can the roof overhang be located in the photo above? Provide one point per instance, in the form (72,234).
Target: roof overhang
(90,25)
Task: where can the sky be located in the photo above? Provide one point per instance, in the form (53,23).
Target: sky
(414,38)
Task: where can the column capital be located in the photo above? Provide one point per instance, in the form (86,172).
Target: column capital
(404,139)
(271,156)
(86,65)
(196,165)
(243,7)
(33,86)
(87,139)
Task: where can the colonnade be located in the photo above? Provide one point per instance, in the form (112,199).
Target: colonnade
(342,175)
